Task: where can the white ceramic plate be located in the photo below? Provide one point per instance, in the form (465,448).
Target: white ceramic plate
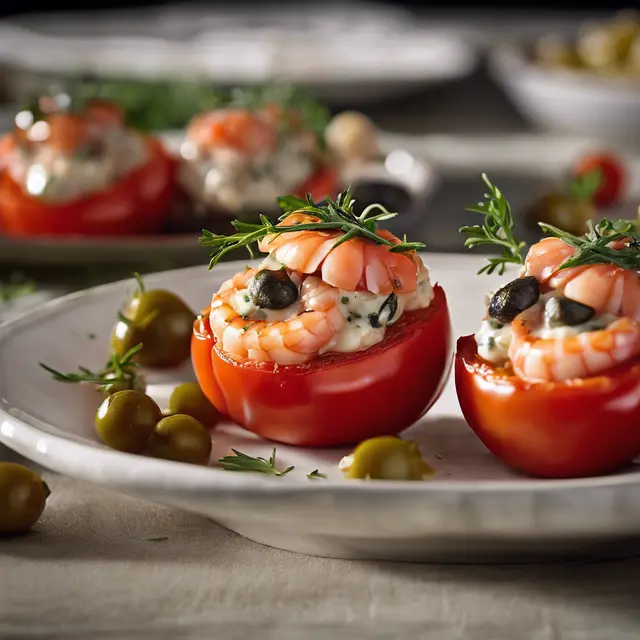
(182,249)
(473,508)
(569,101)
(343,54)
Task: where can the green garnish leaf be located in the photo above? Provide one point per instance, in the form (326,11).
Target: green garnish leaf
(332,215)
(289,204)
(118,370)
(47,490)
(595,246)
(17,287)
(583,187)
(243,462)
(497,228)
(158,539)
(316,474)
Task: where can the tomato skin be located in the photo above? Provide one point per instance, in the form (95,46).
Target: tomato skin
(322,183)
(614,177)
(566,429)
(125,208)
(338,399)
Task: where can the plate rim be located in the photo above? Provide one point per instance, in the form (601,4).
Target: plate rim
(27,436)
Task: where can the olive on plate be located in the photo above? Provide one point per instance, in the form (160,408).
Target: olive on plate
(159,320)
(126,420)
(181,438)
(386,458)
(188,399)
(272,289)
(23,496)
(562,211)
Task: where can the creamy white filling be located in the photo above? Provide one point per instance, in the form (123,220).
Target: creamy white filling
(47,174)
(227,178)
(493,338)
(362,311)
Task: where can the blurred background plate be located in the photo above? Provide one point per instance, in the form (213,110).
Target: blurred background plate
(352,53)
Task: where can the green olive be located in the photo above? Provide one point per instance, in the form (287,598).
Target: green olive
(387,458)
(133,382)
(125,420)
(159,320)
(188,399)
(562,211)
(23,495)
(554,51)
(181,438)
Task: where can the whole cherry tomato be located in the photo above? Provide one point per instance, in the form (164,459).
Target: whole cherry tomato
(613,177)
(338,399)
(137,203)
(568,429)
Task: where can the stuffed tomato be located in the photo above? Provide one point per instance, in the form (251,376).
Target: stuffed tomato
(337,336)
(551,381)
(82,172)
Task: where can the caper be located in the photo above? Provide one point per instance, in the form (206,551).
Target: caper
(561,311)
(23,495)
(125,420)
(387,458)
(387,312)
(272,289)
(514,298)
(159,320)
(181,438)
(189,399)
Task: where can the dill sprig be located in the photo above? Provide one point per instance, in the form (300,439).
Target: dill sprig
(16,287)
(118,371)
(497,228)
(243,462)
(595,247)
(333,215)
(615,242)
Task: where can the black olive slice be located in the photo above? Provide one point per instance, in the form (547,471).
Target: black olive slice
(387,311)
(514,298)
(560,311)
(272,289)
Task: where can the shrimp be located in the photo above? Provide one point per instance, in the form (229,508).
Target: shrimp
(586,354)
(242,130)
(605,287)
(295,340)
(357,264)
(67,132)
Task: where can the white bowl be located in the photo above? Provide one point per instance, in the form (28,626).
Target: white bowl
(569,101)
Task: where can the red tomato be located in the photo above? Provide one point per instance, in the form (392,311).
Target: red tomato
(322,183)
(614,177)
(337,399)
(565,429)
(138,203)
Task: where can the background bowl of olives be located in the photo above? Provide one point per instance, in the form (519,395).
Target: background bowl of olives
(586,83)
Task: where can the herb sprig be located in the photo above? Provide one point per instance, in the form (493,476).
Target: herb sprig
(595,247)
(332,215)
(16,287)
(117,371)
(497,228)
(243,462)
(615,242)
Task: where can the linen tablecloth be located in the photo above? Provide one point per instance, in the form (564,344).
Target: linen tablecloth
(99,565)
